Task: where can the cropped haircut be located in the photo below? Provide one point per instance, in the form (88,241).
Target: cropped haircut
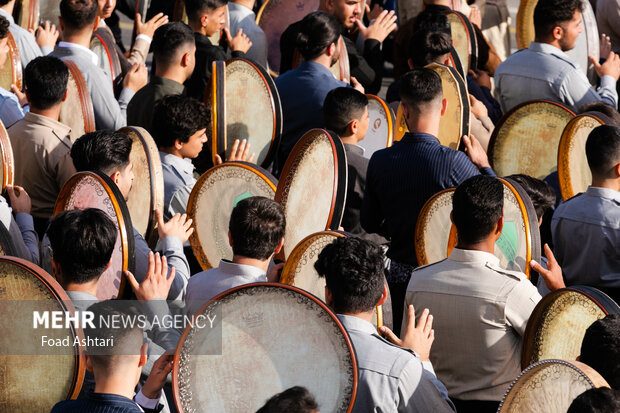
(477,205)
(105,151)
(341,106)
(549,14)
(431,20)
(4,2)
(426,47)
(419,88)
(317,31)
(541,194)
(82,243)
(603,149)
(46,79)
(256,226)
(178,117)
(293,400)
(596,400)
(78,14)
(605,108)
(169,40)
(354,273)
(600,348)
(4,27)
(196,8)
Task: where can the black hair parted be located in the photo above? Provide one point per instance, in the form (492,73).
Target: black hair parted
(317,31)
(77,14)
(542,196)
(603,150)
(426,47)
(169,40)
(552,13)
(600,348)
(178,117)
(103,150)
(354,273)
(4,27)
(82,243)
(295,399)
(196,8)
(420,87)
(46,79)
(341,106)
(596,400)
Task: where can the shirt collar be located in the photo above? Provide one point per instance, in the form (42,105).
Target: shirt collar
(59,129)
(354,148)
(169,83)
(232,268)
(474,256)
(92,55)
(355,323)
(549,49)
(603,193)
(241,10)
(180,164)
(415,137)
(7,16)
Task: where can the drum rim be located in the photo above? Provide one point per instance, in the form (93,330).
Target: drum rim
(456,62)
(605,301)
(194,238)
(397,117)
(386,109)
(521,25)
(115,64)
(328,311)
(420,249)
(16,63)
(343,62)
(8,160)
(472,43)
(85,102)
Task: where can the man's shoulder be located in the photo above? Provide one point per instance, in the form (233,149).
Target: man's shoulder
(67,406)
(378,355)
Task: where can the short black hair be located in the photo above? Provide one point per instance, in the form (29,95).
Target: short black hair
(420,87)
(549,14)
(426,47)
(103,150)
(477,205)
(178,117)
(256,226)
(432,20)
(341,106)
(169,39)
(603,149)
(196,8)
(600,348)
(46,79)
(354,273)
(4,27)
(77,14)
(293,400)
(597,400)
(82,243)
(605,108)
(317,31)
(542,196)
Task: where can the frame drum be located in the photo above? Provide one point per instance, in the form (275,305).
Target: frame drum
(11,73)
(380,128)
(573,171)
(268,334)
(313,187)
(245,105)
(559,322)
(432,231)
(526,139)
(549,386)
(400,124)
(95,190)
(26,14)
(455,62)
(463,39)
(212,200)
(454,124)
(103,45)
(147,191)
(34,380)
(77,110)
(49,10)
(7,163)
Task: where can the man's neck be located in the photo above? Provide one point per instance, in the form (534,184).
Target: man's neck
(486,245)
(552,41)
(198,28)
(246,3)
(424,124)
(366,316)
(613,184)
(9,7)
(351,139)
(120,382)
(323,60)
(81,37)
(261,264)
(52,113)
(174,73)
(171,150)
(89,287)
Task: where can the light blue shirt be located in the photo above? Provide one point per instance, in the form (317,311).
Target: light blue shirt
(178,183)
(543,71)
(10,109)
(244,18)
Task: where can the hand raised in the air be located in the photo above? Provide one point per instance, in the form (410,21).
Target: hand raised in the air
(240,151)
(179,226)
(240,43)
(417,337)
(380,28)
(156,283)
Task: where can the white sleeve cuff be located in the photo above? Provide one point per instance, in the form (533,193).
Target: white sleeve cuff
(145,402)
(145,38)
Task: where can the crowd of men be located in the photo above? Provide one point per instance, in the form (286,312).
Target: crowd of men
(458,324)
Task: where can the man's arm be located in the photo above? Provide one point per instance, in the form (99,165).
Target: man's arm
(577,91)
(27,236)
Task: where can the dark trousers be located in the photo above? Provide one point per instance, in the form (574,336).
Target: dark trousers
(475,406)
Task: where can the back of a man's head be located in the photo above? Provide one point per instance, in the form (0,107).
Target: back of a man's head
(78,14)
(341,106)
(600,348)
(603,151)
(82,243)
(178,117)
(353,271)
(477,206)
(293,400)
(541,194)
(105,151)
(549,14)
(196,8)
(432,20)
(317,31)
(598,400)
(256,227)
(428,47)
(421,91)
(46,79)
(612,114)
(170,41)
(4,27)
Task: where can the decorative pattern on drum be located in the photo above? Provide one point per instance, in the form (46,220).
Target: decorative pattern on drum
(11,73)
(95,190)
(77,109)
(573,170)
(549,386)
(380,127)
(556,328)
(102,44)
(22,282)
(526,139)
(432,231)
(7,164)
(313,186)
(463,39)
(268,334)
(212,200)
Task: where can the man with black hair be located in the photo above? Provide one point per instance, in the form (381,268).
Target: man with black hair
(174,51)
(295,399)
(392,377)
(477,354)
(544,71)
(600,349)
(40,143)
(596,400)
(206,18)
(12,106)
(256,234)
(586,228)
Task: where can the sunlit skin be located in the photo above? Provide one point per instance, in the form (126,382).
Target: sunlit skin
(106,8)
(571,31)
(216,19)
(346,11)
(194,144)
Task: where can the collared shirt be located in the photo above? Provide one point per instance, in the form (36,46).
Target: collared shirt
(391,378)
(400,179)
(543,71)
(98,403)
(25,41)
(242,17)
(207,284)
(178,183)
(586,238)
(41,149)
(141,107)
(479,316)
(10,109)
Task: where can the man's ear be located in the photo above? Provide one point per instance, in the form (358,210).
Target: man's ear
(444,106)
(178,145)
(329,6)
(617,170)
(353,126)
(204,19)
(230,241)
(329,299)
(61,25)
(89,363)
(451,217)
(384,295)
(56,270)
(410,63)
(143,354)
(279,246)
(116,177)
(185,59)
(500,226)
(64,97)
(557,32)
(331,49)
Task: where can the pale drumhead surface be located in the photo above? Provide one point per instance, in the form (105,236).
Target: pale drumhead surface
(512,246)
(6,74)
(49,10)
(379,135)
(433,228)
(99,49)
(7,166)
(71,113)
(525,23)
(527,140)
(451,123)
(460,38)
(272,338)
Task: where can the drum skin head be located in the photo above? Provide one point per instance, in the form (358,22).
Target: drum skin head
(7,164)
(549,386)
(11,73)
(102,45)
(26,14)
(341,68)
(273,336)
(463,39)
(432,231)
(380,127)
(77,110)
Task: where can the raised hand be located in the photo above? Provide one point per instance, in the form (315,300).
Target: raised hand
(240,151)
(148,28)
(383,25)
(156,283)
(178,226)
(552,275)
(417,337)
